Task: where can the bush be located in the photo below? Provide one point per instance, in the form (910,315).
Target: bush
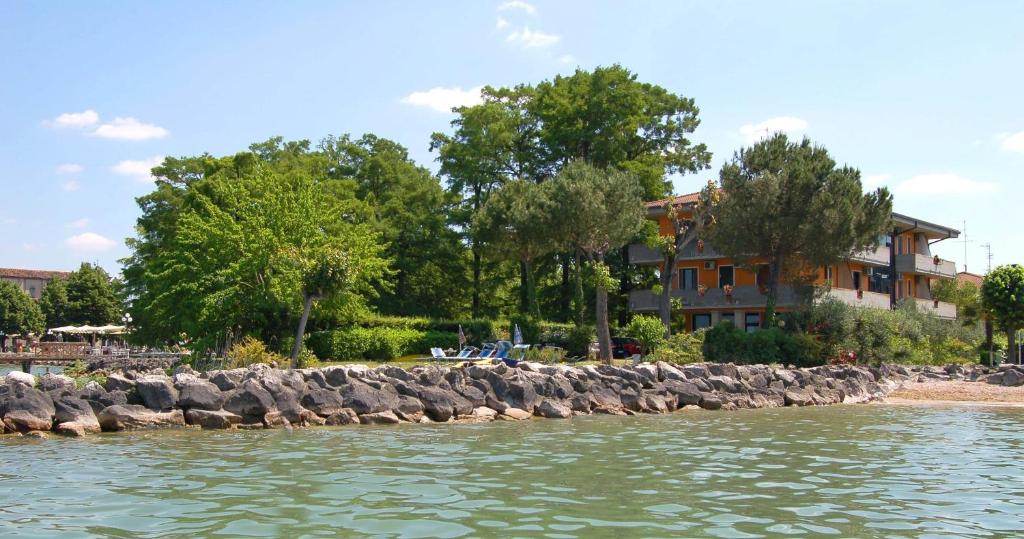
(578,344)
(436,339)
(379,343)
(528,326)
(681,348)
(725,343)
(648,331)
(250,351)
(545,355)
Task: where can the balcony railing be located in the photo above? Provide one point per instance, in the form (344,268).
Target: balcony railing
(925,265)
(742,297)
(878,257)
(864,299)
(641,254)
(938,308)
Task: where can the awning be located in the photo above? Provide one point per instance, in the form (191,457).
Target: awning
(90,330)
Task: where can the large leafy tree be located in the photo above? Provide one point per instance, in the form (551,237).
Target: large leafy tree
(1002,295)
(19,313)
(515,223)
(598,211)
(789,203)
(408,205)
(53,301)
(90,297)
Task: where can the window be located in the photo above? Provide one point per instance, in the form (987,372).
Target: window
(856,280)
(688,279)
(752,322)
(885,240)
(729,317)
(32,291)
(761,275)
(701,321)
(899,289)
(879,280)
(910,288)
(725,275)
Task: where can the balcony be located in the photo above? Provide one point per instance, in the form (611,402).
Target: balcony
(743,297)
(866,299)
(642,255)
(878,257)
(925,265)
(940,309)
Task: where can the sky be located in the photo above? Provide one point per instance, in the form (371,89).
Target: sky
(922,96)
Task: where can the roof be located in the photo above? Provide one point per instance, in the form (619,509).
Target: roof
(15,273)
(970,277)
(690,198)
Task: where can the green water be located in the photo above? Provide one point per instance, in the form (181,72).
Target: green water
(852,471)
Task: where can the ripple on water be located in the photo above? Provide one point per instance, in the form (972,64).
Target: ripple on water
(864,471)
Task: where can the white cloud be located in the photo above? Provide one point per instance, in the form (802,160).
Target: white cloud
(518,4)
(501,24)
(80,223)
(1014,143)
(532,39)
(70,186)
(785,124)
(875,180)
(75,119)
(943,184)
(444,99)
(566,59)
(68,168)
(140,170)
(29,247)
(129,129)
(89,241)
(9,221)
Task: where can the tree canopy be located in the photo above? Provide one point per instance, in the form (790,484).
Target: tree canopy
(789,203)
(1002,296)
(90,297)
(19,313)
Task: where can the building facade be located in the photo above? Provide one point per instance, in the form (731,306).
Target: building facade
(31,281)
(713,288)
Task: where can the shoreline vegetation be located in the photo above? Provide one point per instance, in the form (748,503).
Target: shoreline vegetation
(260,396)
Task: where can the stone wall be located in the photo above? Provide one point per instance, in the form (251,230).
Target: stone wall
(264,397)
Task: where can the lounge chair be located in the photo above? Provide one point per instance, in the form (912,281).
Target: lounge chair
(438,354)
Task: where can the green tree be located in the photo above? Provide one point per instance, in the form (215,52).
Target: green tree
(789,203)
(19,313)
(688,222)
(53,302)
(597,211)
(90,297)
(515,223)
(648,331)
(1002,295)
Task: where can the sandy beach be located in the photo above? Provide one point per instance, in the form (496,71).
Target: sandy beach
(959,392)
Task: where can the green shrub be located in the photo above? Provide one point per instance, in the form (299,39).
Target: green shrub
(648,331)
(725,343)
(436,339)
(681,348)
(578,344)
(545,355)
(800,349)
(528,326)
(250,351)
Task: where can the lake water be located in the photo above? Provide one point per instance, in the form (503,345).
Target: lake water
(853,471)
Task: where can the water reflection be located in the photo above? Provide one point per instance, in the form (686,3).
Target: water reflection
(864,471)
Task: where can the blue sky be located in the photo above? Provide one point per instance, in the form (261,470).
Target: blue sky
(924,97)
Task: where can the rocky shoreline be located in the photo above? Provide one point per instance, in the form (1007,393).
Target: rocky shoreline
(264,397)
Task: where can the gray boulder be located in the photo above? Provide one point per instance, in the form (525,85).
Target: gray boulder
(157,392)
(212,419)
(323,402)
(117,382)
(553,409)
(55,382)
(251,401)
(132,417)
(200,394)
(75,417)
(226,380)
(25,408)
(365,399)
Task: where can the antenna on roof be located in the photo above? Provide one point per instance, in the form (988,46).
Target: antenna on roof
(988,250)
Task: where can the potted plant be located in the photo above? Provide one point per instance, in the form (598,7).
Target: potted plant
(728,290)
(701,289)
(860,293)
(700,246)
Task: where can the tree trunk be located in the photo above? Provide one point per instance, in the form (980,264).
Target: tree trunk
(307,304)
(1012,357)
(477,262)
(604,336)
(625,284)
(774,276)
(578,300)
(988,342)
(665,300)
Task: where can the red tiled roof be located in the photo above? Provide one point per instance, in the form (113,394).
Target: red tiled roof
(970,277)
(15,273)
(690,198)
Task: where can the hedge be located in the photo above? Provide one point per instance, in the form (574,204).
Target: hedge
(378,343)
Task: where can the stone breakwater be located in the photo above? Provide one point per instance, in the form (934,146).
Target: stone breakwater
(264,397)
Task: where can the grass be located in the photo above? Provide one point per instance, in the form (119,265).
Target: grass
(408,362)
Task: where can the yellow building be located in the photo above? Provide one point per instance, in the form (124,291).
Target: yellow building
(713,288)
(31,281)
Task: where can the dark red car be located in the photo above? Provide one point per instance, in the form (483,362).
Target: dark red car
(623,347)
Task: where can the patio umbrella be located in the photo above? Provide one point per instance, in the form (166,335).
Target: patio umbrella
(462,337)
(517,336)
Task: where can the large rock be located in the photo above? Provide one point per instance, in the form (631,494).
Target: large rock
(798,397)
(200,394)
(442,405)
(157,392)
(553,409)
(226,380)
(345,416)
(365,399)
(685,392)
(212,419)
(251,401)
(323,402)
(25,408)
(132,417)
(56,382)
(18,377)
(117,382)
(724,383)
(380,418)
(1013,377)
(75,416)
(514,391)
(517,414)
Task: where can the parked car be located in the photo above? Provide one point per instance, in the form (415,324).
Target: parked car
(623,347)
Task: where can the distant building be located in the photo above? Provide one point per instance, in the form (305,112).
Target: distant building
(31,281)
(713,288)
(973,278)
